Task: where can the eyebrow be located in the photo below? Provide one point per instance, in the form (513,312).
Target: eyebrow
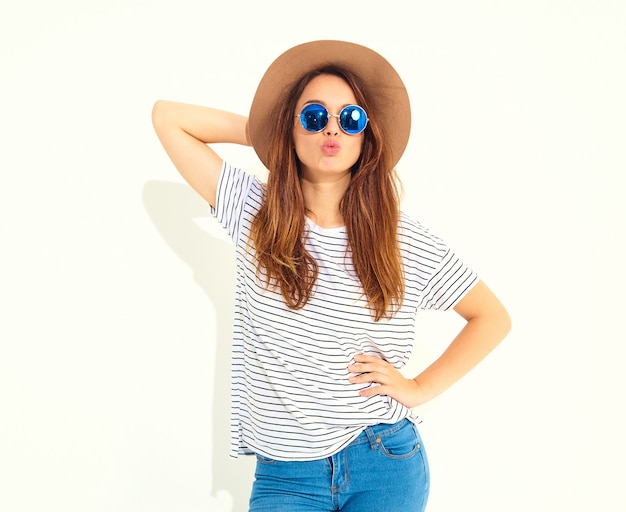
(323,103)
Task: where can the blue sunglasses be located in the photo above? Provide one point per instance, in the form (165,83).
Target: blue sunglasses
(315,117)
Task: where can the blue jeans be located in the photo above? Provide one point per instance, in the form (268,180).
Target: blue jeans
(385,469)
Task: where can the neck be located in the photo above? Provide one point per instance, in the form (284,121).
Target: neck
(322,200)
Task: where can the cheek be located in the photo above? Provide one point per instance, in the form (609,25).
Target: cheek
(296,141)
(302,145)
(357,148)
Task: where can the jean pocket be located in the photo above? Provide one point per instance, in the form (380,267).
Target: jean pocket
(402,444)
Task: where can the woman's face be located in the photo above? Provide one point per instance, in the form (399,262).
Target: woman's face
(330,152)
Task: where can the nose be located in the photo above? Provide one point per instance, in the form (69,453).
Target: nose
(332,129)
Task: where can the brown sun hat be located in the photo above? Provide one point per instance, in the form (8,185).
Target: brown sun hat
(383,85)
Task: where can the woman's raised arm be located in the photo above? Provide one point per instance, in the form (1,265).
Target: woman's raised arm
(185,130)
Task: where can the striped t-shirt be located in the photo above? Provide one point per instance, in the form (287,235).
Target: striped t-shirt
(291,399)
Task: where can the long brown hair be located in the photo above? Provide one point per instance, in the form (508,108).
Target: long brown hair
(370,209)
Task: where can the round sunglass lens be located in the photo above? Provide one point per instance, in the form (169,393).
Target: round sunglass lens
(314,117)
(353,119)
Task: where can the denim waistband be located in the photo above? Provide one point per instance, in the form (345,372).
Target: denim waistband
(374,433)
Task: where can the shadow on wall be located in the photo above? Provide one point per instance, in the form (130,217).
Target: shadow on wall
(174,209)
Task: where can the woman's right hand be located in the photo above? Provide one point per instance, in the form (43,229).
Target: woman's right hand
(185,130)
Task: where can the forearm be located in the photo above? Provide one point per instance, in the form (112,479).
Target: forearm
(185,131)
(207,125)
(487,324)
(475,341)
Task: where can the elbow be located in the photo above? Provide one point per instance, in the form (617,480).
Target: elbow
(509,324)
(158,113)
(503,322)
(164,115)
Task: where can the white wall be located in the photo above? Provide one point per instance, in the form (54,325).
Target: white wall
(116,287)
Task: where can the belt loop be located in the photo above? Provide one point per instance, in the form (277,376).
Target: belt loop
(373,438)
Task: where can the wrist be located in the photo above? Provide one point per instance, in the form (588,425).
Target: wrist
(421,392)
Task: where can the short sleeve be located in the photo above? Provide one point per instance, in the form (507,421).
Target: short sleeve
(436,277)
(233,189)
(449,283)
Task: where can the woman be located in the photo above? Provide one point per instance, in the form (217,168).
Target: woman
(330,275)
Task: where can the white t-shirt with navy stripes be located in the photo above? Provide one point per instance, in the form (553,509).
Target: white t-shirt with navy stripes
(291,399)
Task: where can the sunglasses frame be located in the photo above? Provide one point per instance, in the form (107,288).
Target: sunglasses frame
(329,115)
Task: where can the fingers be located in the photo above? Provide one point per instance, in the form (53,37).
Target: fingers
(369,369)
(384,379)
(363,359)
(364,378)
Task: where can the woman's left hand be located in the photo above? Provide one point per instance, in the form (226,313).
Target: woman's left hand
(390,381)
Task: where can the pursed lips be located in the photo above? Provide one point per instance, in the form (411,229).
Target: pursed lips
(330,147)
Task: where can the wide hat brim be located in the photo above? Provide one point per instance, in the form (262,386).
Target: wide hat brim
(383,86)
